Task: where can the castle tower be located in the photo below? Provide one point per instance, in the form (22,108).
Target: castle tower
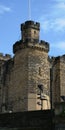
(31,68)
(58,85)
(4,59)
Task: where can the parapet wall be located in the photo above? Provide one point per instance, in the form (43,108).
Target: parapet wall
(54,60)
(4,57)
(58,59)
(62,58)
(42,45)
(30,24)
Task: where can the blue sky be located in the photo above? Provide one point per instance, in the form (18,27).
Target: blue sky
(50,14)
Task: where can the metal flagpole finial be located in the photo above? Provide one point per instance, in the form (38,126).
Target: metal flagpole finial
(29,9)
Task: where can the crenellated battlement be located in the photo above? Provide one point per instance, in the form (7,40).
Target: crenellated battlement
(62,58)
(4,57)
(54,60)
(42,45)
(45,44)
(18,46)
(58,59)
(30,24)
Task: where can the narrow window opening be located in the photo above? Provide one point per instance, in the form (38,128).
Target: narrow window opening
(40,71)
(34,32)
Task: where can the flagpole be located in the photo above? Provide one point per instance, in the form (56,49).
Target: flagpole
(29,10)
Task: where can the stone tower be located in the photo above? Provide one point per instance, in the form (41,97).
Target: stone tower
(31,68)
(4,73)
(58,82)
(28,70)
(25,79)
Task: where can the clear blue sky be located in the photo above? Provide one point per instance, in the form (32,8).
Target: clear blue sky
(50,14)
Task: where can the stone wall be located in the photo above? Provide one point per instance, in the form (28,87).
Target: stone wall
(21,75)
(58,83)
(56,80)
(31,68)
(18,87)
(4,63)
(38,71)
(62,76)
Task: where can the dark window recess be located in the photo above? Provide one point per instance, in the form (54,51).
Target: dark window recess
(34,32)
(40,71)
